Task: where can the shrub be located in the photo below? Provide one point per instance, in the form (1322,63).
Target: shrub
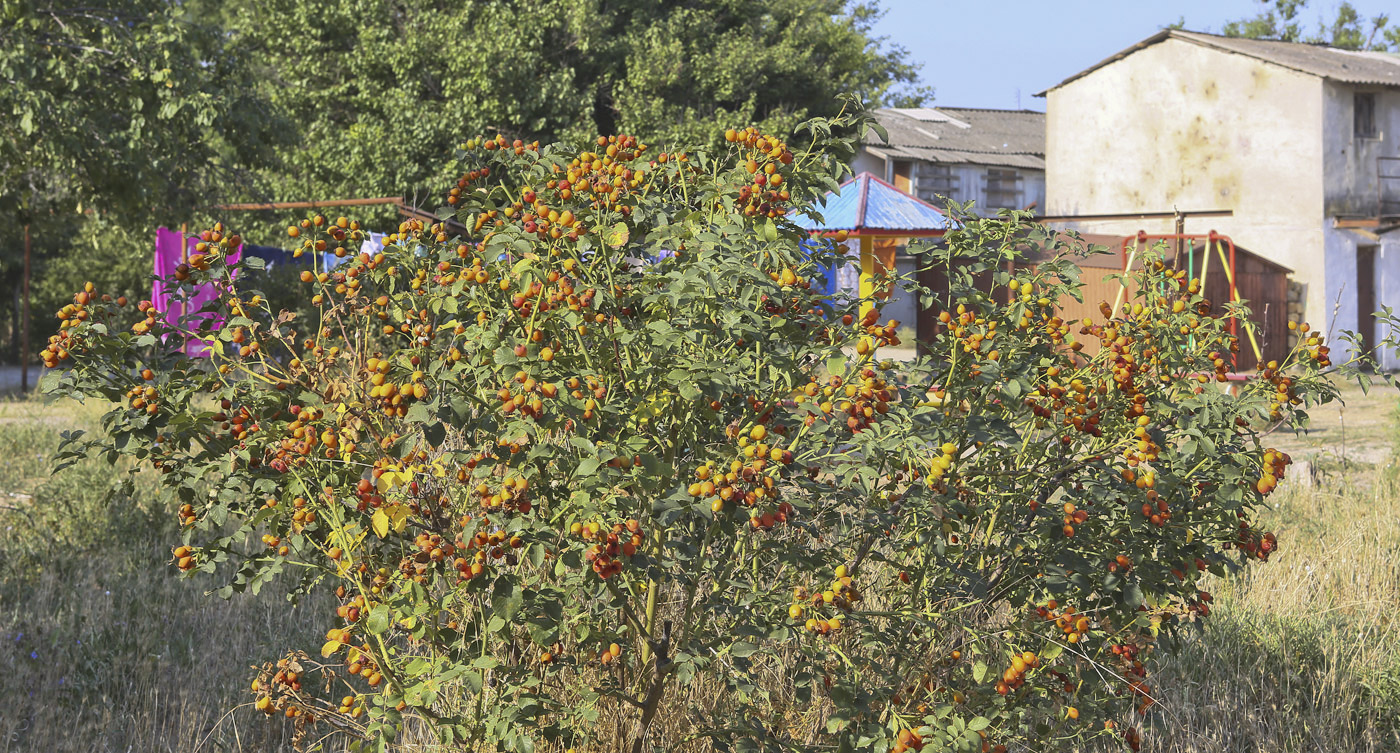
(600,468)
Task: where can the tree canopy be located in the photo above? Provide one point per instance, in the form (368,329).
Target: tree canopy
(117,115)
(119,105)
(1348,29)
(380,90)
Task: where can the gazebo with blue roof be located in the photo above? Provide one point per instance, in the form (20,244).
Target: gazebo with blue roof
(868,208)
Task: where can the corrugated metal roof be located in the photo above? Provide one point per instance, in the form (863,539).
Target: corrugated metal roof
(944,156)
(1011,138)
(866,203)
(1346,66)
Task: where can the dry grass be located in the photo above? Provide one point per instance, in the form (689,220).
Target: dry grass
(102,649)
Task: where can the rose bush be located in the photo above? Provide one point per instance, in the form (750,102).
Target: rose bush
(594,463)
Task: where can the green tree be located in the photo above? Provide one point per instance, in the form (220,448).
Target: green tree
(382,89)
(115,115)
(1281,20)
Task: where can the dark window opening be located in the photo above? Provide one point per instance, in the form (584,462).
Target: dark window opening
(1003,189)
(932,181)
(1364,115)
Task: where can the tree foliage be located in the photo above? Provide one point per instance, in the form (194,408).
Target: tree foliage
(381,89)
(600,467)
(128,107)
(1349,30)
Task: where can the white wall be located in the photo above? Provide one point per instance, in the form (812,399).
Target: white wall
(865,162)
(1388,294)
(1178,125)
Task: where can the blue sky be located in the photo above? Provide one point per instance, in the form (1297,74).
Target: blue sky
(979,53)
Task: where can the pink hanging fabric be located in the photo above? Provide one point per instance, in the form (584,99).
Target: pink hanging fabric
(171,251)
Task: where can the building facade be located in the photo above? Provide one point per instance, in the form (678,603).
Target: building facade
(1298,141)
(995,158)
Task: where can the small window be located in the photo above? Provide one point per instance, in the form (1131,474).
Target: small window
(1364,115)
(934,180)
(1003,189)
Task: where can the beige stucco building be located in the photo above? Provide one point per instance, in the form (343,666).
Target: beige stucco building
(1301,142)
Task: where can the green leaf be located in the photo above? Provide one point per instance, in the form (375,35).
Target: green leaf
(588,467)
(378,620)
(1132,596)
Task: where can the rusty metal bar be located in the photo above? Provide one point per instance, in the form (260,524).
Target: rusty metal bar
(308,204)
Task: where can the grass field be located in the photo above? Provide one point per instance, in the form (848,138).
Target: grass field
(103,649)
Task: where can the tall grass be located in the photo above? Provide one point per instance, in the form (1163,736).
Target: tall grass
(103,649)
(1302,653)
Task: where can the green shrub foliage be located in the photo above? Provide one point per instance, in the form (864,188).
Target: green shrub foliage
(595,463)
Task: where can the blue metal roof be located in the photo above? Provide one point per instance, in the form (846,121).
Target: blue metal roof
(867,204)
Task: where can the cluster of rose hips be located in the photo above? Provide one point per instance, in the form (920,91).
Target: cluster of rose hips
(1073,624)
(431,549)
(323,234)
(393,399)
(485,546)
(1015,675)
(1073,516)
(1254,543)
(1079,402)
(1284,394)
(748,481)
(908,740)
(528,395)
(1312,341)
(301,436)
(862,402)
(765,158)
(454,195)
(1275,465)
(609,655)
(841,595)
(605,555)
(55,351)
(237,424)
(511,496)
(184,558)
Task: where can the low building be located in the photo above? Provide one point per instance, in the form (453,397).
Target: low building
(995,158)
(1298,141)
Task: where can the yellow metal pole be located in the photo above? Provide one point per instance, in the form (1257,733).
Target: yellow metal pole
(867,275)
(1123,284)
(1230,278)
(867,286)
(1207,247)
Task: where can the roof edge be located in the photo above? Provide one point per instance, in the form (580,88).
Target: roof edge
(1193,37)
(1154,39)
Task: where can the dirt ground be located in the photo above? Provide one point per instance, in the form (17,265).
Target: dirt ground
(1347,437)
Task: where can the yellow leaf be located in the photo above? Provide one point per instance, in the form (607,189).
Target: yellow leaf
(617,235)
(393,516)
(391,478)
(330,648)
(380,523)
(399,514)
